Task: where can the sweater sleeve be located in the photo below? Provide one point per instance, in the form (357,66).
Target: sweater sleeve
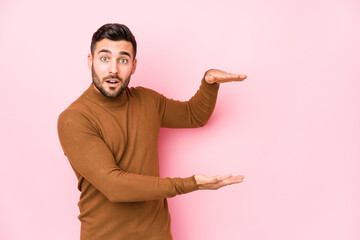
(192,113)
(92,159)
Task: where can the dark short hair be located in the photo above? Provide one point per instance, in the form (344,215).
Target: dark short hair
(115,32)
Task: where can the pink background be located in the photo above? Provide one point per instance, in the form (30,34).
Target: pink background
(292,128)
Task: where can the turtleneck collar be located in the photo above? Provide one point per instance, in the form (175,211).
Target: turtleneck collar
(95,96)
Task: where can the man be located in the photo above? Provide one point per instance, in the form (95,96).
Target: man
(110,136)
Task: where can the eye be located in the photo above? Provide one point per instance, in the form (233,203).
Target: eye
(123,60)
(104,59)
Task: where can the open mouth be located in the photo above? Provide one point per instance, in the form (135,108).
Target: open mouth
(112,81)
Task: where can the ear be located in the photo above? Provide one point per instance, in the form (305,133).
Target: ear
(134,66)
(90,61)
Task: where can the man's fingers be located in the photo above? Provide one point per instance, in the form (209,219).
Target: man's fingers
(234,76)
(227,176)
(232,180)
(231,78)
(242,76)
(218,181)
(222,178)
(215,75)
(226,180)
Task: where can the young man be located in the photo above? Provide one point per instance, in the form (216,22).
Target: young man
(110,136)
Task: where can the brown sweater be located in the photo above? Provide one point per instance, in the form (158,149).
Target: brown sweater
(112,145)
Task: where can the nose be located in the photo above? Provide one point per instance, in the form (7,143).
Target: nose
(114,67)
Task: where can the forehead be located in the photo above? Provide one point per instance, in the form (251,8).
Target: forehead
(114,47)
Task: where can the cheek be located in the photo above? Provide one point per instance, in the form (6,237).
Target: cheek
(126,70)
(100,70)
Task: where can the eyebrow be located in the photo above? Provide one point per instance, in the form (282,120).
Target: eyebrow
(120,53)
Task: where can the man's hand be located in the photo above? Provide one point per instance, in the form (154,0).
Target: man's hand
(218,76)
(216,182)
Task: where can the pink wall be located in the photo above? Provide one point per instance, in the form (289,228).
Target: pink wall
(292,128)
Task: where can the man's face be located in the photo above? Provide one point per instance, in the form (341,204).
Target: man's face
(111,66)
